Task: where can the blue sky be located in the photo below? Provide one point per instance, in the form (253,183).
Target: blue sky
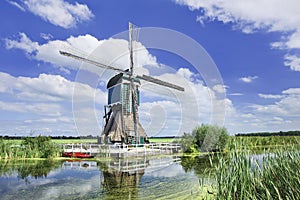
(255,46)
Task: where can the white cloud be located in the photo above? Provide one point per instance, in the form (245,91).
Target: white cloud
(44,104)
(110,52)
(17,5)
(248,79)
(288,106)
(57,12)
(251,16)
(24,43)
(47,88)
(292,91)
(180,112)
(270,96)
(163,111)
(235,94)
(292,61)
(220,88)
(41,109)
(283,114)
(46,36)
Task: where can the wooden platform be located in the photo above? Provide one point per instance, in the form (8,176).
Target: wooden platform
(119,151)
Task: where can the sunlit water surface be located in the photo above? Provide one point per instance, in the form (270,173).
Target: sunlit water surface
(159,178)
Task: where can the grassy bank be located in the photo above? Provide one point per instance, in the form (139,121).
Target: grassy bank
(163,140)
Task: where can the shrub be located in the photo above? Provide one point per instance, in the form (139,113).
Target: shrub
(205,138)
(40,147)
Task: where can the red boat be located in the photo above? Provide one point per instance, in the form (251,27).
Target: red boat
(76,155)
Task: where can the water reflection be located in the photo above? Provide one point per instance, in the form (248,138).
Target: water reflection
(143,178)
(121,177)
(28,168)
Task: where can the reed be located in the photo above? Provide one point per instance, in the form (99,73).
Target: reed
(275,176)
(255,142)
(37,147)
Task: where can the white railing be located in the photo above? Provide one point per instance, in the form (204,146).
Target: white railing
(122,150)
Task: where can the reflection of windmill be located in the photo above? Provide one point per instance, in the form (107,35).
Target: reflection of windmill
(121,114)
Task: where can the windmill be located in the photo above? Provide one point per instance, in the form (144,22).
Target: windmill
(121,114)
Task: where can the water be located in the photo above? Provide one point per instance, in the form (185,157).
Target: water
(145,178)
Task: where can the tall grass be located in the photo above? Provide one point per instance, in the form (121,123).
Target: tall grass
(275,176)
(259,142)
(37,147)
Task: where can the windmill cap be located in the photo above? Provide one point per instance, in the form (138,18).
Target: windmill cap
(117,79)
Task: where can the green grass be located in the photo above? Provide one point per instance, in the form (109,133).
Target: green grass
(256,142)
(73,141)
(163,140)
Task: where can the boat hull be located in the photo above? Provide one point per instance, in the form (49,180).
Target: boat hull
(76,155)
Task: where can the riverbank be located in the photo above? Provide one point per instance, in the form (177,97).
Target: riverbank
(240,172)
(45,147)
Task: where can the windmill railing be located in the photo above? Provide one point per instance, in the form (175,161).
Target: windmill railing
(123,150)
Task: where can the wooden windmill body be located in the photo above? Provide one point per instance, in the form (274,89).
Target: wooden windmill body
(121,112)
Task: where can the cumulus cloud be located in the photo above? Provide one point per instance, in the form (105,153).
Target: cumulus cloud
(293,61)
(251,16)
(44,104)
(23,43)
(220,88)
(198,104)
(108,51)
(57,12)
(287,106)
(248,79)
(281,114)
(46,88)
(179,112)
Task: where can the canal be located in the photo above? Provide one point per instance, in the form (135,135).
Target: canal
(140,178)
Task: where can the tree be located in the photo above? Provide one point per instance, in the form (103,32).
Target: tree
(205,138)
(187,143)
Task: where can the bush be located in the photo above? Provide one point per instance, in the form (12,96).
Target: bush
(205,138)
(40,147)
(187,143)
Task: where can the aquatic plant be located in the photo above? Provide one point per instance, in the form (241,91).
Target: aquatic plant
(276,176)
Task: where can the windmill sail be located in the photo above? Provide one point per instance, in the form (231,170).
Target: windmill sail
(132,86)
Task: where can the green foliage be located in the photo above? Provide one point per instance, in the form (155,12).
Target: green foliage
(187,143)
(30,147)
(255,142)
(205,138)
(266,134)
(40,147)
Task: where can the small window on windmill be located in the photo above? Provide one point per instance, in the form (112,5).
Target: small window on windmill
(114,94)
